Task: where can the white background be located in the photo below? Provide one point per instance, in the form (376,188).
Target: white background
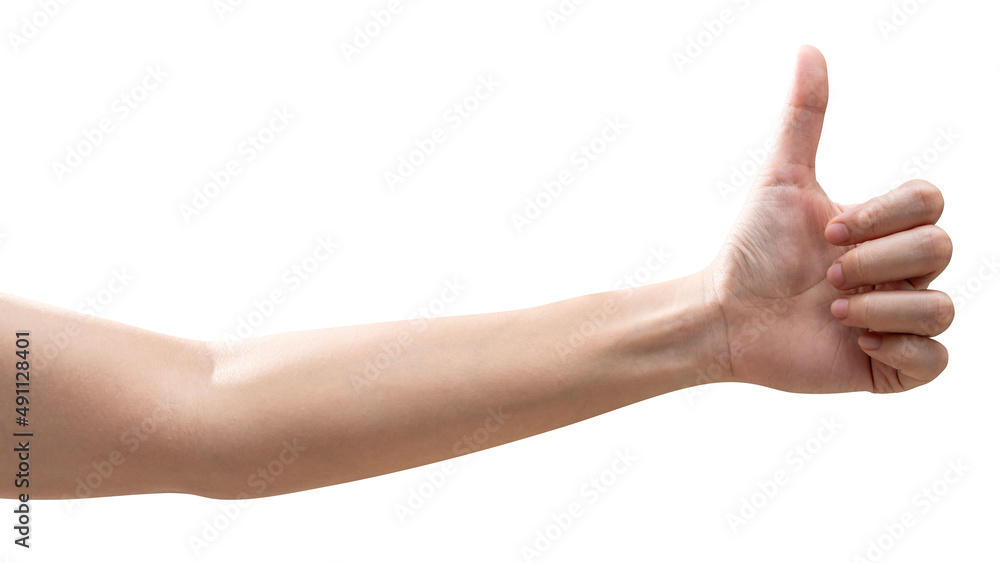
(699,456)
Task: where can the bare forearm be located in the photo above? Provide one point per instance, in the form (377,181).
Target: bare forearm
(117,410)
(334,405)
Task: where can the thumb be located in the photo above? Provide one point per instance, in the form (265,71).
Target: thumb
(793,160)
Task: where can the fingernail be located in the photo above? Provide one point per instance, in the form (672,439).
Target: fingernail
(870,341)
(836,275)
(836,233)
(839,308)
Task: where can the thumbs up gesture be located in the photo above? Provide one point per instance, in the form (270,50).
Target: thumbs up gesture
(820,297)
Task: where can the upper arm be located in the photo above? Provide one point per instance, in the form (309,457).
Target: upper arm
(110,407)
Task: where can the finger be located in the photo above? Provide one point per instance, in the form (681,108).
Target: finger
(916,357)
(918,255)
(797,137)
(912,204)
(927,312)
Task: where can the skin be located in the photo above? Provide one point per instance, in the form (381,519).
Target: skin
(301,410)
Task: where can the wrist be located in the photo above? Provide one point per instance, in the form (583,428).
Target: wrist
(672,334)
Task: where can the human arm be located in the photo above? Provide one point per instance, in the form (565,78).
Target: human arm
(338,404)
(368,400)
(762,312)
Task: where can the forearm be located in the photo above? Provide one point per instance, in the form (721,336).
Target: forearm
(116,410)
(328,406)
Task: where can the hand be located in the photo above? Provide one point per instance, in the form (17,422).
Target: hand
(820,297)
